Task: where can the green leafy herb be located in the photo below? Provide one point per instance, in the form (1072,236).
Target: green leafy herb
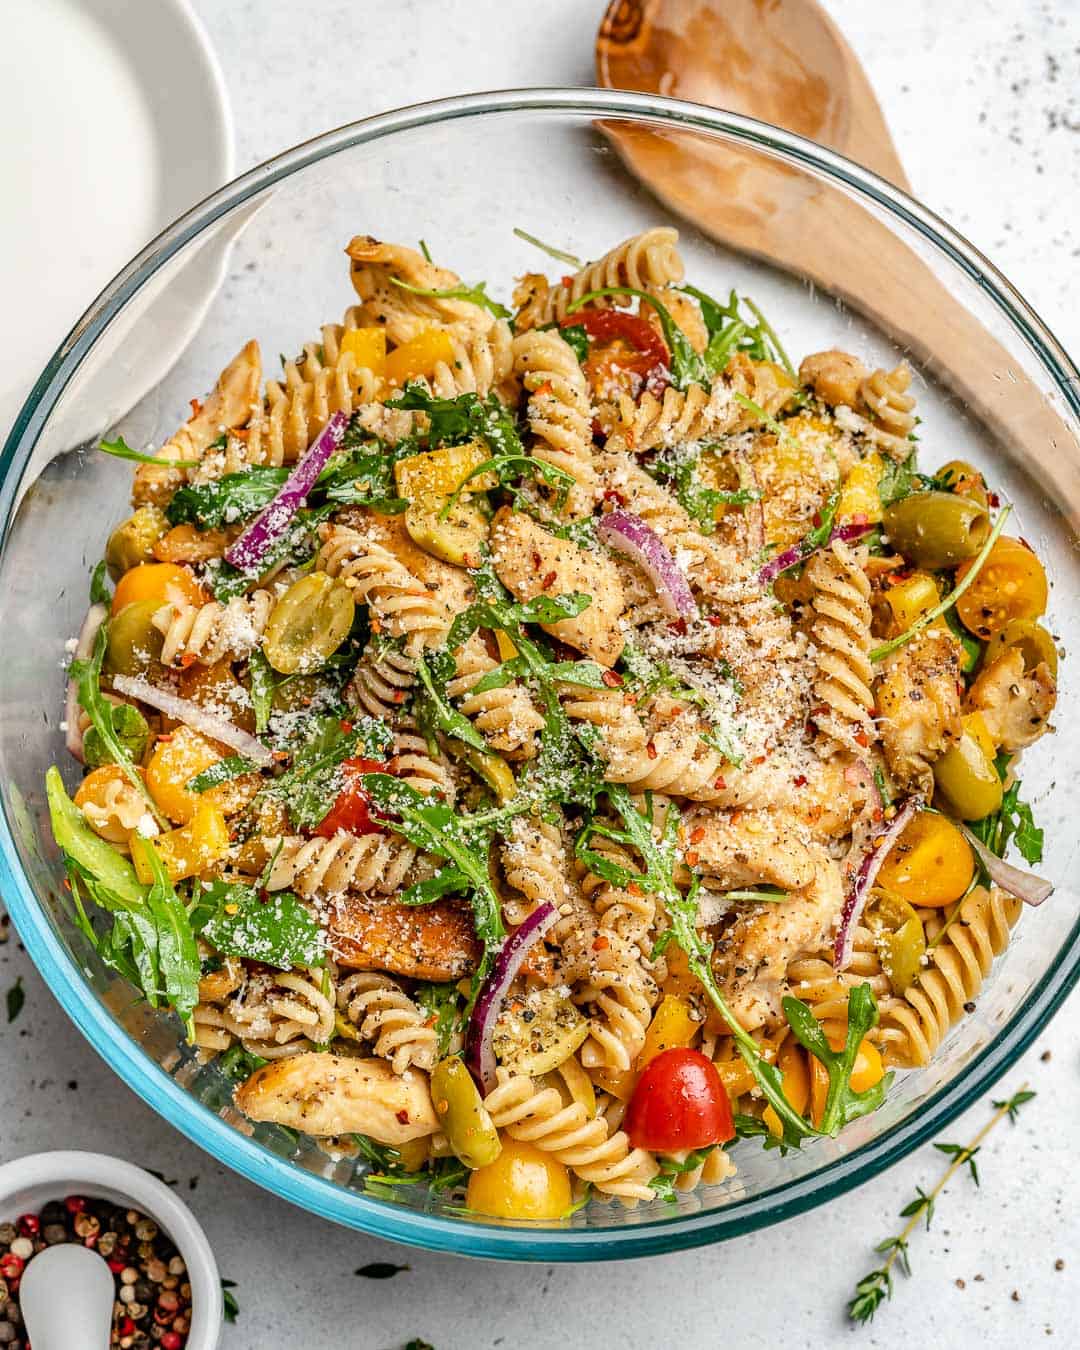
(121,450)
(971,646)
(226,500)
(842,1103)
(443,1002)
(880,653)
(261,680)
(223,771)
(231,1309)
(649,677)
(434,710)
(473,295)
(238,1064)
(876,1287)
(130,728)
(899,479)
(687,367)
(560,255)
(178,957)
(311,786)
(276,930)
(16,997)
(670,1170)
(730,332)
(1013,822)
(99,586)
(577,339)
(442,1174)
(681,468)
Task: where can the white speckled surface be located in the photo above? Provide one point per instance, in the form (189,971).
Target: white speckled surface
(985,109)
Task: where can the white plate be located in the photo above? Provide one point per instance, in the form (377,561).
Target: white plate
(117,121)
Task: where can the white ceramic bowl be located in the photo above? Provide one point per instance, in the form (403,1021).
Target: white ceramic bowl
(26,1184)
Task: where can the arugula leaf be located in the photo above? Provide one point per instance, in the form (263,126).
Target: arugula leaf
(223,771)
(102,714)
(475,295)
(680,468)
(230,1307)
(842,1103)
(226,500)
(448,881)
(238,1064)
(899,479)
(99,587)
(560,255)
(310,787)
(130,945)
(121,450)
(1013,822)
(261,681)
(178,957)
(577,339)
(15,999)
(440,667)
(276,930)
(131,730)
(94,855)
(972,647)
(729,332)
(687,367)
(670,1170)
(443,1003)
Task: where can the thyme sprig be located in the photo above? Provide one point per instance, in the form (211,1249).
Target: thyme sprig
(876,1287)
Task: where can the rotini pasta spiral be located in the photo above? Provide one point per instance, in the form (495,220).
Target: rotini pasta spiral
(385,1015)
(647,262)
(841,634)
(273,1014)
(619,996)
(559,412)
(539,1116)
(892,411)
(914,1024)
(382,683)
(536,863)
(344,862)
(481,362)
(209,633)
(115,809)
(403,313)
(414,764)
(630,914)
(506,718)
(403,606)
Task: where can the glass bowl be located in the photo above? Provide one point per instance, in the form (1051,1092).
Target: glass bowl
(461,174)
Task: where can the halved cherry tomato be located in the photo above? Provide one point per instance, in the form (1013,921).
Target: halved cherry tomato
(351,812)
(162,582)
(624,343)
(1011,585)
(679,1103)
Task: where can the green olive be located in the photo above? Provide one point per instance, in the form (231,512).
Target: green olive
(936,529)
(967,779)
(1034,641)
(898,936)
(134,643)
(133,542)
(537,1035)
(308,624)
(964,480)
(462,1114)
(297,693)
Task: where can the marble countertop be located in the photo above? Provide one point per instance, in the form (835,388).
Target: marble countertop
(984,105)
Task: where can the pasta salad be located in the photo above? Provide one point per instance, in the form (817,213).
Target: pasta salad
(531,750)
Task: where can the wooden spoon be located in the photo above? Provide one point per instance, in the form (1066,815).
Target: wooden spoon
(785,62)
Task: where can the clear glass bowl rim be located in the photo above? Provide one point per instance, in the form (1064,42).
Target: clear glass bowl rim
(210,1132)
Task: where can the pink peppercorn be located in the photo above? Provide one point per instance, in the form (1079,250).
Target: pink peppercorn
(11,1266)
(29,1225)
(171,1341)
(75,1204)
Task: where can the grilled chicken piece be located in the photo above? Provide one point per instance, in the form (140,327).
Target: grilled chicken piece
(404,314)
(752,955)
(452,586)
(825,795)
(1015,703)
(230,405)
(531,562)
(324,1094)
(918,699)
(424,942)
(747,848)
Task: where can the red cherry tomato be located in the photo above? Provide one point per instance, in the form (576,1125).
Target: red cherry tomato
(679,1103)
(351,812)
(627,342)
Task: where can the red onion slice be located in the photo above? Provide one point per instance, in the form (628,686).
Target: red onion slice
(84,649)
(1026,886)
(630,535)
(270,524)
(877,850)
(479,1051)
(183,710)
(799,552)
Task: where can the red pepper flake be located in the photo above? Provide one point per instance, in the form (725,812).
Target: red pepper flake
(758,759)
(601,944)
(691,858)
(196,407)
(281,755)
(548,581)
(816,519)
(629,699)
(402,1116)
(721,784)
(613,495)
(612,679)
(714,620)
(677,626)
(896,578)
(597,429)
(697,835)
(188,659)
(632,888)
(399,696)
(546,388)
(536,561)
(650,750)
(800,780)
(346,727)
(993,499)
(861,738)
(567,281)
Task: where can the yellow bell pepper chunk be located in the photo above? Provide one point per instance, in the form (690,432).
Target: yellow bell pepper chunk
(507,650)
(439,473)
(859,496)
(420,356)
(368,347)
(189,850)
(673,1024)
(911,599)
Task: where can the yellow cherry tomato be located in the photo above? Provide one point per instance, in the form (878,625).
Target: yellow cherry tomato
(735,1076)
(189,850)
(1034,642)
(176,759)
(859,495)
(367,346)
(865,1072)
(420,356)
(791,1062)
(672,1025)
(1010,585)
(930,865)
(308,624)
(163,582)
(522,1183)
